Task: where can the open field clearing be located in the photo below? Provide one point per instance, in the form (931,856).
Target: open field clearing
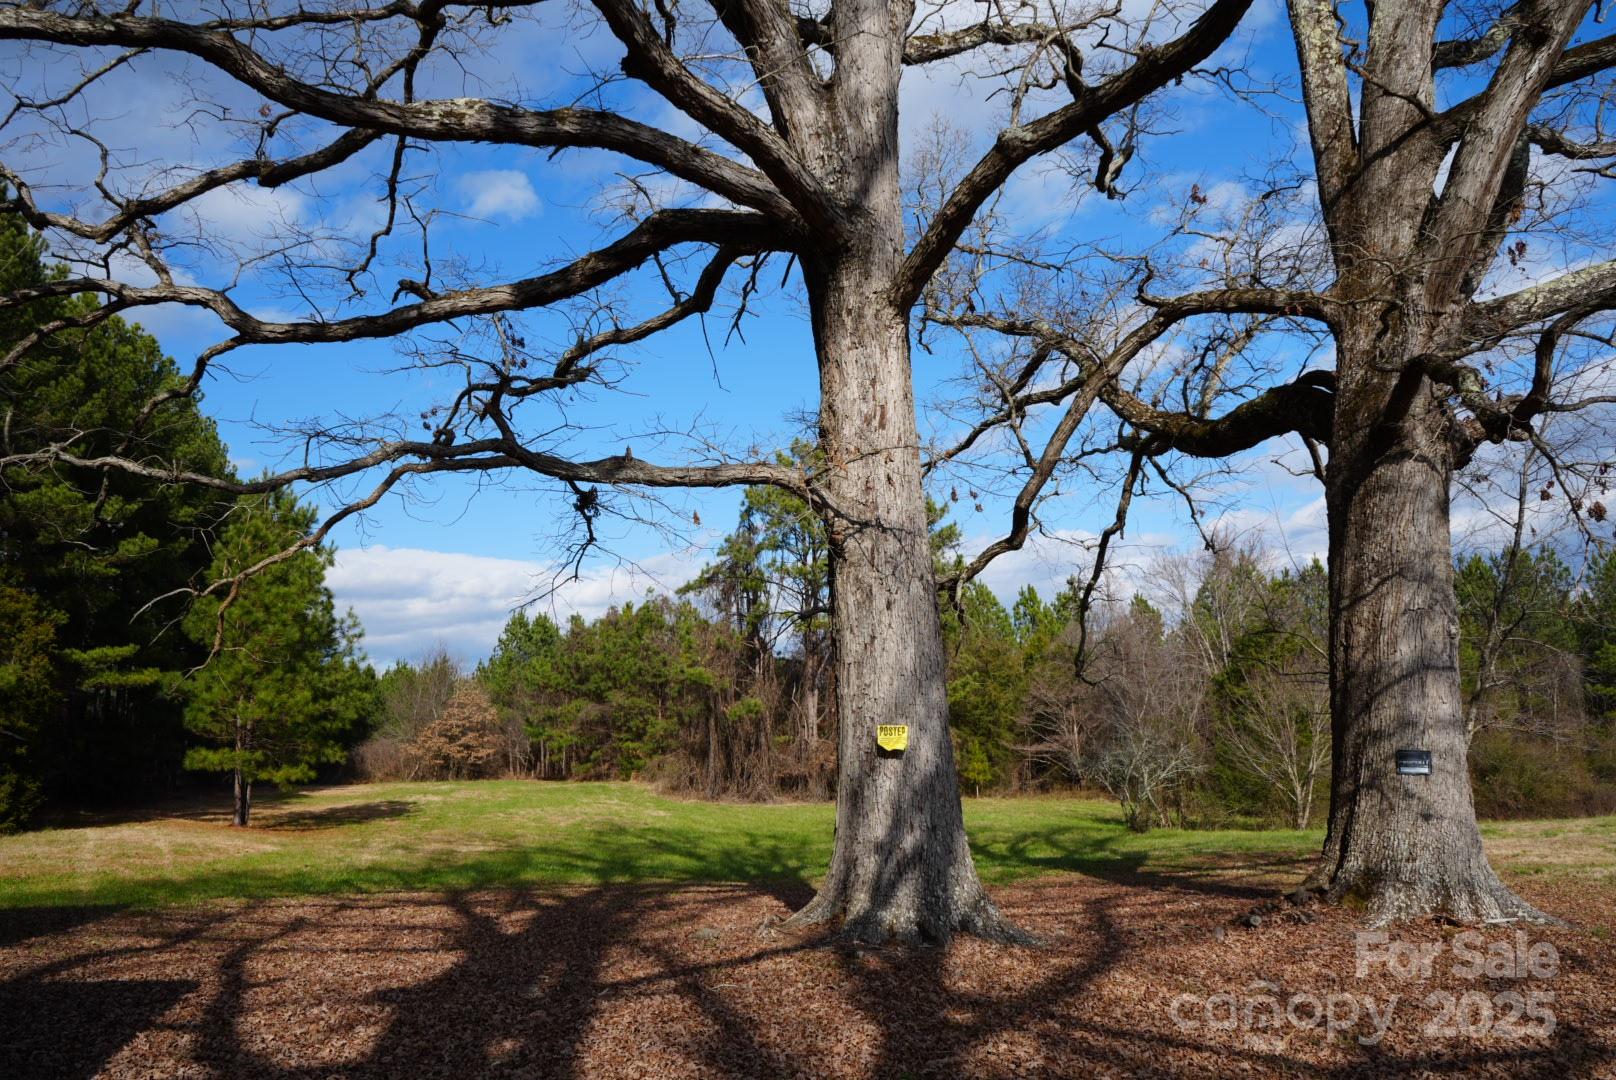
(488,834)
(443,836)
(451,930)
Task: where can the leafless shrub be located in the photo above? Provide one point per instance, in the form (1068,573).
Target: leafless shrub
(1280,732)
(1148,701)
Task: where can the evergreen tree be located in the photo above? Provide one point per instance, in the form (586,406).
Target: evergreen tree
(796,561)
(527,681)
(285,691)
(1271,704)
(28,694)
(1596,630)
(734,584)
(771,582)
(1035,622)
(986,686)
(1518,642)
(93,548)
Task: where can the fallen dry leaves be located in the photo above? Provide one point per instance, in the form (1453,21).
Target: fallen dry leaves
(653,981)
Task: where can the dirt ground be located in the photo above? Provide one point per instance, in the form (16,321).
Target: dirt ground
(1136,978)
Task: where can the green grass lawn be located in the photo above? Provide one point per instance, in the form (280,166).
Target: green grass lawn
(444,836)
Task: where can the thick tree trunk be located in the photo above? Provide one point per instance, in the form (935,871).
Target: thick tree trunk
(901,868)
(1402,845)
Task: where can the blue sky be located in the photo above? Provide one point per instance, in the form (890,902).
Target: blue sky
(446,564)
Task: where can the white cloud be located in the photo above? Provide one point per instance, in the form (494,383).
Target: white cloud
(246,212)
(412,599)
(1048,560)
(1275,502)
(1044,563)
(1292,535)
(498,193)
(1485,502)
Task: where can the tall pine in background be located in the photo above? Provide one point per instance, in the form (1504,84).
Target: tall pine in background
(84,551)
(1596,620)
(285,692)
(28,695)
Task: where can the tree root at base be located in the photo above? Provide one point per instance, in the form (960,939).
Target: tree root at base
(1483,902)
(978,918)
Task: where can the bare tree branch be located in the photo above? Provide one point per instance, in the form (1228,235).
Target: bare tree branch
(656,233)
(1590,286)
(1462,52)
(651,60)
(455,120)
(1326,94)
(1155,68)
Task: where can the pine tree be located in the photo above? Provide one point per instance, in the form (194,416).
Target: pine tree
(1596,625)
(91,547)
(28,694)
(1518,642)
(1270,705)
(986,686)
(285,691)
(771,582)
(525,680)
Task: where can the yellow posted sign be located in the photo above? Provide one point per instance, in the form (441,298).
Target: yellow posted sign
(892,736)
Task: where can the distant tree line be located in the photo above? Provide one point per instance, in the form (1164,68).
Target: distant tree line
(104,695)
(658,689)
(1206,704)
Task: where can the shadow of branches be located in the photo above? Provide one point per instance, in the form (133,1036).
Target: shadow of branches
(656,980)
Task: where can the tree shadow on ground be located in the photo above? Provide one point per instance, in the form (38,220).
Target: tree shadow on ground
(619,975)
(554,983)
(600,856)
(527,982)
(602,853)
(1103,855)
(21,923)
(54,1022)
(203,803)
(70,1029)
(335,817)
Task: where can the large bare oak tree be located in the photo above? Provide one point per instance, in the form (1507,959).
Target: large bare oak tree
(798,154)
(1443,142)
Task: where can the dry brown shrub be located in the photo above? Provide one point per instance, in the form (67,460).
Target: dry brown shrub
(465,741)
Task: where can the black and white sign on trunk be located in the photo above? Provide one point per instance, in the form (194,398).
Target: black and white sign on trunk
(1441,165)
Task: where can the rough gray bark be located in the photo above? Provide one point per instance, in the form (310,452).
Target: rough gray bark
(901,867)
(1410,247)
(1400,845)
(1408,263)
